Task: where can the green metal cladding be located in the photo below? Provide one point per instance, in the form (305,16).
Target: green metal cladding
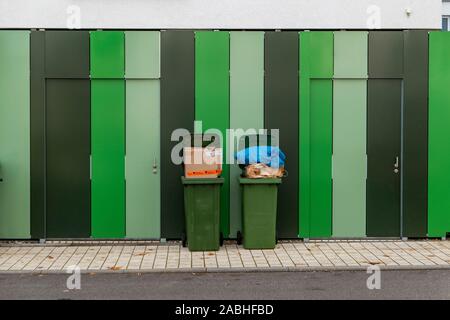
(439,131)
(15,134)
(142,167)
(212,98)
(246,104)
(363,117)
(349,134)
(316,120)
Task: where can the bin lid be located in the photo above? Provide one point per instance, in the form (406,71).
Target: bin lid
(185,180)
(260,181)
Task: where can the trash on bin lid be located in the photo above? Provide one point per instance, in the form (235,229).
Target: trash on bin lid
(271,156)
(261,170)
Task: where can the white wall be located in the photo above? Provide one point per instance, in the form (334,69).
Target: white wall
(446,8)
(223,14)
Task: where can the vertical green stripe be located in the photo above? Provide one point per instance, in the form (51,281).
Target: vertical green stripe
(15,134)
(212,60)
(316,62)
(108,152)
(142,154)
(349,133)
(107,54)
(321,150)
(350,54)
(142,54)
(246,103)
(439,131)
(349,158)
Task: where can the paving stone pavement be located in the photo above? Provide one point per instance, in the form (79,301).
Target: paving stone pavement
(150,256)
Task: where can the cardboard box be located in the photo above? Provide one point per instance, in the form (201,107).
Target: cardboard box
(202,162)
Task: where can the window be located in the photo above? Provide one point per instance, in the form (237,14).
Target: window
(445,23)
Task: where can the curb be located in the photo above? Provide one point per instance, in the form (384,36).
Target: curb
(233,270)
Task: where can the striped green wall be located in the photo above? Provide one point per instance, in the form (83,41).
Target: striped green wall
(236,84)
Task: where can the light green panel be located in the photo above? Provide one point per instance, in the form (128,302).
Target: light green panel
(350,54)
(15,134)
(142,159)
(142,55)
(246,103)
(349,158)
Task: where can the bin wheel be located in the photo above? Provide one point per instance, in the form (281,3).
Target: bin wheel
(221,239)
(276,237)
(239,238)
(183,240)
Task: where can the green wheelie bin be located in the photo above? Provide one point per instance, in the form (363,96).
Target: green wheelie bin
(202,212)
(259,212)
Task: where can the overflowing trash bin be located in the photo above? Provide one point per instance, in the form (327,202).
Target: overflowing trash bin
(202,213)
(202,183)
(259,212)
(263,168)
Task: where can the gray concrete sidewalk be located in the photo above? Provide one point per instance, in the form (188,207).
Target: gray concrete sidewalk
(57,257)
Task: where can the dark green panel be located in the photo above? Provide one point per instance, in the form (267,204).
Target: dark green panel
(37,128)
(107,51)
(108,158)
(439,132)
(383,148)
(67,54)
(212,100)
(415,134)
(67,157)
(386,54)
(177,111)
(281,112)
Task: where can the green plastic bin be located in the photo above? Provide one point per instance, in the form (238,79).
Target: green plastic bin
(259,212)
(202,211)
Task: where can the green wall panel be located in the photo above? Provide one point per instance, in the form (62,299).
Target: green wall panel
(177,111)
(108,153)
(15,134)
(385,54)
(384,101)
(316,101)
(415,134)
(142,54)
(68,148)
(350,54)
(107,54)
(142,159)
(37,130)
(246,103)
(281,113)
(212,94)
(67,54)
(439,131)
(349,158)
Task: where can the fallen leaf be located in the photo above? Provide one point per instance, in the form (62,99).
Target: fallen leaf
(115,268)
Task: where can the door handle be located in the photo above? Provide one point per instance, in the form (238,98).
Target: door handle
(396,164)
(155,166)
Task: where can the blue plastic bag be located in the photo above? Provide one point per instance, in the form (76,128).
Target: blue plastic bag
(272,156)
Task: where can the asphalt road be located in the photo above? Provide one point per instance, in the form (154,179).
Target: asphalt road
(426,284)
